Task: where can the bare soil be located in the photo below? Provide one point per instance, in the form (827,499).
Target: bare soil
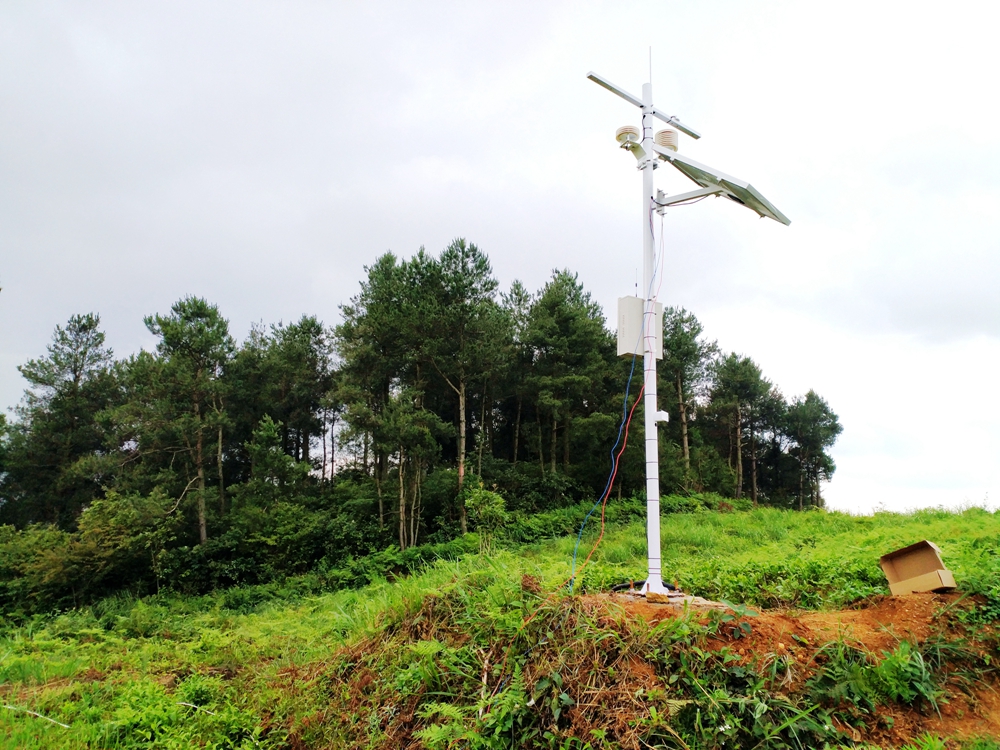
(610,684)
(970,710)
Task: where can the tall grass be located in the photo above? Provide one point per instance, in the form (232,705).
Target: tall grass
(253,668)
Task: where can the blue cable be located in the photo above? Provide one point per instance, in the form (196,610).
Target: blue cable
(621,427)
(607,487)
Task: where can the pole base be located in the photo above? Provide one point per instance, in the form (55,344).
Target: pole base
(654,585)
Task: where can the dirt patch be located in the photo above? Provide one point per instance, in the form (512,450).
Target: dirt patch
(966,716)
(963,717)
(168,680)
(615,676)
(531,584)
(883,624)
(875,628)
(969,710)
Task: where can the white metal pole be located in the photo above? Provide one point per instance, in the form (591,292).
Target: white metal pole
(654,581)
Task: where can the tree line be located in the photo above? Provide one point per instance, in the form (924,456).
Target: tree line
(209,462)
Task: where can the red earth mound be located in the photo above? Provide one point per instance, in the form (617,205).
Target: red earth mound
(970,710)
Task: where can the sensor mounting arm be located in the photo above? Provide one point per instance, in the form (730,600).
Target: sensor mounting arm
(671,120)
(633,99)
(601,81)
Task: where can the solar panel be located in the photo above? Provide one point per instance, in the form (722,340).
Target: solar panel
(732,187)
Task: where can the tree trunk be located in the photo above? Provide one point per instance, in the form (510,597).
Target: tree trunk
(402,503)
(199,463)
(462,519)
(333,447)
(682,408)
(381,503)
(322,473)
(222,480)
(552,443)
(739,453)
(729,456)
(482,433)
(490,426)
(517,428)
(419,503)
(541,445)
(199,458)
(801,490)
(305,445)
(753,466)
(414,483)
(566,446)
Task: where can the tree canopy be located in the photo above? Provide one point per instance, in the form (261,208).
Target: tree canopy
(211,461)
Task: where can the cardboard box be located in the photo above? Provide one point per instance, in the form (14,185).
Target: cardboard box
(916,569)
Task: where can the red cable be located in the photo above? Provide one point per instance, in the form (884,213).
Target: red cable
(604,504)
(614,473)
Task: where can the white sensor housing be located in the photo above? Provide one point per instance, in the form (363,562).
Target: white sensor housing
(627,134)
(666,138)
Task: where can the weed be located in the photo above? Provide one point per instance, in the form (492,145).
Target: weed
(903,676)
(926,742)
(851,676)
(735,615)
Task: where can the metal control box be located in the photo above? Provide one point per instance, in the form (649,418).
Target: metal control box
(630,319)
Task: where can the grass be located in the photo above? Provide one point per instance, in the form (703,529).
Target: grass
(443,656)
(776,558)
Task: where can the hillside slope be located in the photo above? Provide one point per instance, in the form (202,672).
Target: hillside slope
(493,651)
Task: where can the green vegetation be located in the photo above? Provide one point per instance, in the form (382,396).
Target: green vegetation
(365,536)
(210,463)
(488,650)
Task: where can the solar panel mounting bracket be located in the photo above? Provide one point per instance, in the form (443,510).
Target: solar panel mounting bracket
(704,192)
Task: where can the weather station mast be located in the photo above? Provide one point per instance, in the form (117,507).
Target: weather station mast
(640,321)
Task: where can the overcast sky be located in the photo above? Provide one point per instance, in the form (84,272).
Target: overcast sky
(261,154)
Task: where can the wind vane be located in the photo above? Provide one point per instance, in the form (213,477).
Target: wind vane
(642,319)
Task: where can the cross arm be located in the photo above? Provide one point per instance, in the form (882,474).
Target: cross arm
(671,120)
(602,81)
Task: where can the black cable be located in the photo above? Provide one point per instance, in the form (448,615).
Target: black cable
(638,586)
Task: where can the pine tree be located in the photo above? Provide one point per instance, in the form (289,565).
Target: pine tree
(58,427)
(813,426)
(187,387)
(684,370)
